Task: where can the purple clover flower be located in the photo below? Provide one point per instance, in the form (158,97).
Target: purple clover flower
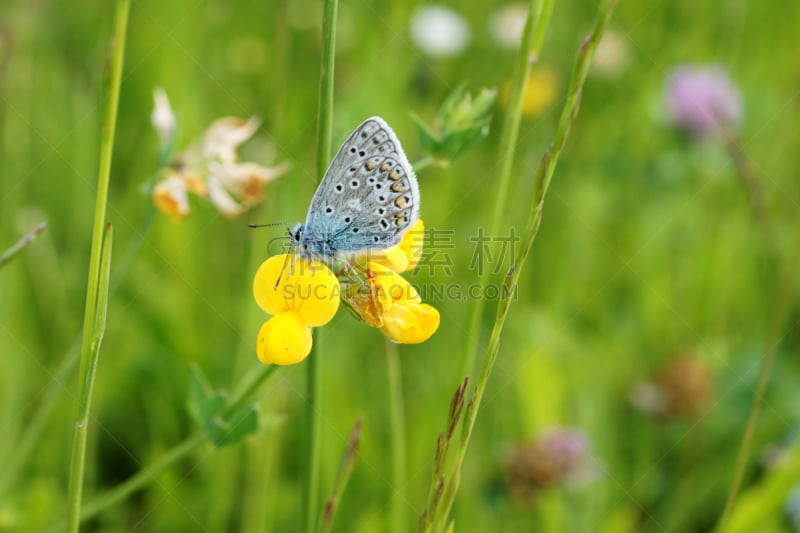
(703,100)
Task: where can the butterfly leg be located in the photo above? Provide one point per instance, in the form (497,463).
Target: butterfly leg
(283,268)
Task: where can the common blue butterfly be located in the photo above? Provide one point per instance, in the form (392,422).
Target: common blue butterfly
(367,199)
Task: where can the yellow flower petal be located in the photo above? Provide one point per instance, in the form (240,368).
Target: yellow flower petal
(391,285)
(406,255)
(394,258)
(410,322)
(283,340)
(307,287)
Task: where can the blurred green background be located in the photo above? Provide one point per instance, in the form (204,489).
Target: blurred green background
(648,249)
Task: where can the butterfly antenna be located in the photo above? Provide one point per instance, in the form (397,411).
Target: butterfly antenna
(268,225)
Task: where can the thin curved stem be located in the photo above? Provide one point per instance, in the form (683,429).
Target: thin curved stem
(786,290)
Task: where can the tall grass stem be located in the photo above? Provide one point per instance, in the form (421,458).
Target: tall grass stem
(314,362)
(542,181)
(99,264)
(532,40)
(91,355)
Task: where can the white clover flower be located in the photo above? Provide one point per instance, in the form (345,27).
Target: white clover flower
(612,55)
(439,31)
(507,24)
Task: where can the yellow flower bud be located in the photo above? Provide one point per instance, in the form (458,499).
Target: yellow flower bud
(307,287)
(284,339)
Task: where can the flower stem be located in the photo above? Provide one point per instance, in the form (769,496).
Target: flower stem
(543,177)
(249,384)
(426,162)
(532,39)
(398,438)
(751,181)
(313,424)
(20,245)
(97,286)
(314,362)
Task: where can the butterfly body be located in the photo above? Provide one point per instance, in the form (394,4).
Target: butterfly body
(367,199)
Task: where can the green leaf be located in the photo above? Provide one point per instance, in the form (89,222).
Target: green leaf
(236,426)
(207,408)
(428,140)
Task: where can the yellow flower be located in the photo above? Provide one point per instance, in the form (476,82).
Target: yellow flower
(406,255)
(541,90)
(306,296)
(283,339)
(389,302)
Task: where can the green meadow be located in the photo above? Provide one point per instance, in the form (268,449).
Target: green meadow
(613,259)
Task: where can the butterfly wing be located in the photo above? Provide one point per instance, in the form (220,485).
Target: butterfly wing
(368,197)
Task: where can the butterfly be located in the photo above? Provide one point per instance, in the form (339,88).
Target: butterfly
(366,201)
